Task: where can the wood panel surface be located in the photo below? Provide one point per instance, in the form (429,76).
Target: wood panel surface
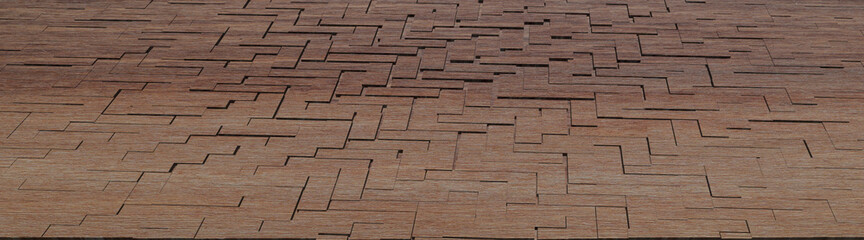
(424,119)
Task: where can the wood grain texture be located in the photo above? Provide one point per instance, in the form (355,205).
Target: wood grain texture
(404,119)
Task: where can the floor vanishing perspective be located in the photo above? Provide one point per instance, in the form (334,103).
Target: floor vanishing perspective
(422,119)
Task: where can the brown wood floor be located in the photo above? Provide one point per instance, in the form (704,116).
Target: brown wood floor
(422,119)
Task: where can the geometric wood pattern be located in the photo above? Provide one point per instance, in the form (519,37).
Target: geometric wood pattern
(423,119)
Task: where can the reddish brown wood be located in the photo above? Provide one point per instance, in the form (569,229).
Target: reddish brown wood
(398,119)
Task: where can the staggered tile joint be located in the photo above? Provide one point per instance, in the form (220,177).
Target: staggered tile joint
(392,119)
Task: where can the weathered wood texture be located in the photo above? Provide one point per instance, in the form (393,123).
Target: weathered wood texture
(405,119)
